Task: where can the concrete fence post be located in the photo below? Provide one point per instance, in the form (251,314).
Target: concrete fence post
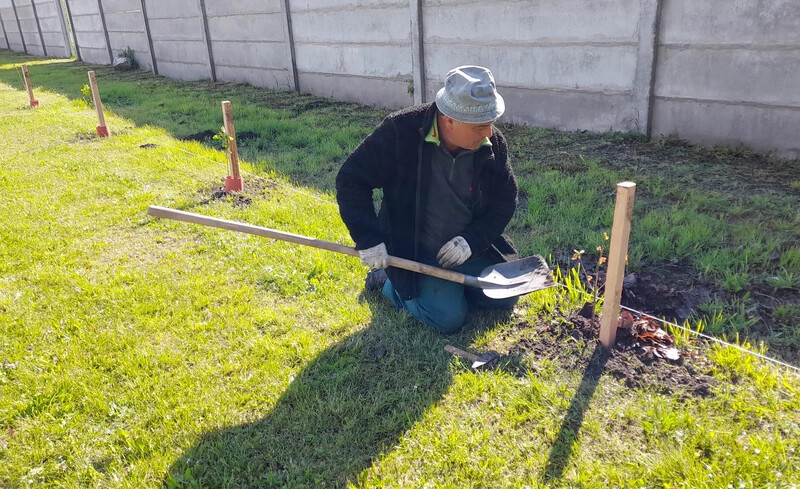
(644,78)
(5,34)
(149,36)
(290,53)
(74,34)
(417,50)
(19,27)
(62,20)
(38,26)
(105,31)
(207,35)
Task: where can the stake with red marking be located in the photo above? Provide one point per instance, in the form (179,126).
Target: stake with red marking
(28,86)
(234,181)
(102,128)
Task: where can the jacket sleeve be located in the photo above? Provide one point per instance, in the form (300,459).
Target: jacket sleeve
(370,166)
(501,198)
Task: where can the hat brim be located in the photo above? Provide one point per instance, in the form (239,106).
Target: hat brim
(487,113)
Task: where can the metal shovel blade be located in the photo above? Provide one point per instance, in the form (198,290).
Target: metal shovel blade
(516,278)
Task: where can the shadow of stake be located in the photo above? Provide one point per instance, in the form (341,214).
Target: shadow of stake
(567,437)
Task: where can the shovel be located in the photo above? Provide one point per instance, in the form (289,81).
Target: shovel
(499,281)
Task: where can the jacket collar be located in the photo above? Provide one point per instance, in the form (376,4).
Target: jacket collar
(432,133)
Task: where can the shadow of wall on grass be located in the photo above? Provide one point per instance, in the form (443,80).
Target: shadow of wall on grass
(347,406)
(191,110)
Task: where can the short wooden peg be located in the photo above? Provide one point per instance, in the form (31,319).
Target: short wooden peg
(234,181)
(102,128)
(33,102)
(617,256)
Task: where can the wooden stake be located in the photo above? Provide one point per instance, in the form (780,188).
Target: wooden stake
(28,86)
(102,129)
(617,256)
(233,182)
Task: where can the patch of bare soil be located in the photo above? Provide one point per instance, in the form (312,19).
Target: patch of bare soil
(636,359)
(253,186)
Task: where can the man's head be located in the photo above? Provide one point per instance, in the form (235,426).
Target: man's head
(469,104)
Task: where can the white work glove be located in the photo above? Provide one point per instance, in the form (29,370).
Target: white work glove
(454,253)
(375,257)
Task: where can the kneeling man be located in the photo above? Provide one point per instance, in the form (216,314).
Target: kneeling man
(448,194)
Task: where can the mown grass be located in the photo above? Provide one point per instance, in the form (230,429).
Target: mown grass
(724,219)
(143,353)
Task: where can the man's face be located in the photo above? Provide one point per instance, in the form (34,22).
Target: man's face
(463,135)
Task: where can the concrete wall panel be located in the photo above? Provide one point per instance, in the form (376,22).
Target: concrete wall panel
(252,27)
(125,24)
(385,25)
(728,72)
(497,22)
(731,21)
(219,8)
(179,39)
(730,75)
(91,39)
(53,28)
(364,60)
(30,31)
(10,23)
(183,71)
(541,67)
(263,55)
(375,91)
(762,128)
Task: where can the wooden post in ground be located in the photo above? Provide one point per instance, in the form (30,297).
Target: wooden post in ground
(102,128)
(28,86)
(617,256)
(233,182)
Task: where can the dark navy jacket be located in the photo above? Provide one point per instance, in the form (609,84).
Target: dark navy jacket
(396,159)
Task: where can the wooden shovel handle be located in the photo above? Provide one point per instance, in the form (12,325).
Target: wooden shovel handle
(165,212)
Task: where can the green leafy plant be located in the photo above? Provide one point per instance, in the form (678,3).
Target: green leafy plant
(86,94)
(130,55)
(593,279)
(223,138)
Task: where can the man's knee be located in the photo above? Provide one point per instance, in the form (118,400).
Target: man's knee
(445,320)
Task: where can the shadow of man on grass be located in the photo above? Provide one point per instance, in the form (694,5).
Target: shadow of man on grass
(350,404)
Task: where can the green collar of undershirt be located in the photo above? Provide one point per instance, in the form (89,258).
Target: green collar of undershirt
(433,134)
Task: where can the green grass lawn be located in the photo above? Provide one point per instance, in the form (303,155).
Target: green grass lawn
(143,353)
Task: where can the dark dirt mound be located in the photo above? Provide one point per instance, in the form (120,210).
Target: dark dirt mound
(85,136)
(253,186)
(674,292)
(246,136)
(199,136)
(571,341)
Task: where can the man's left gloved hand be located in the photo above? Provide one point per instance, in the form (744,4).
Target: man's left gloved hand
(454,253)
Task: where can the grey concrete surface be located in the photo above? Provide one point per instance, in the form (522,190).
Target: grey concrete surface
(729,72)
(355,50)
(53,29)
(125,24)
(248,42)
(91,39)
(179,39)
(10,24)
(10,38)
(718,71)
(27,22)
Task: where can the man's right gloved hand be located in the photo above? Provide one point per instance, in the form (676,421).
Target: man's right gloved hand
(375,257)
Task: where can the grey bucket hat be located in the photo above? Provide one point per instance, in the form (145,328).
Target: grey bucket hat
(470,95)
